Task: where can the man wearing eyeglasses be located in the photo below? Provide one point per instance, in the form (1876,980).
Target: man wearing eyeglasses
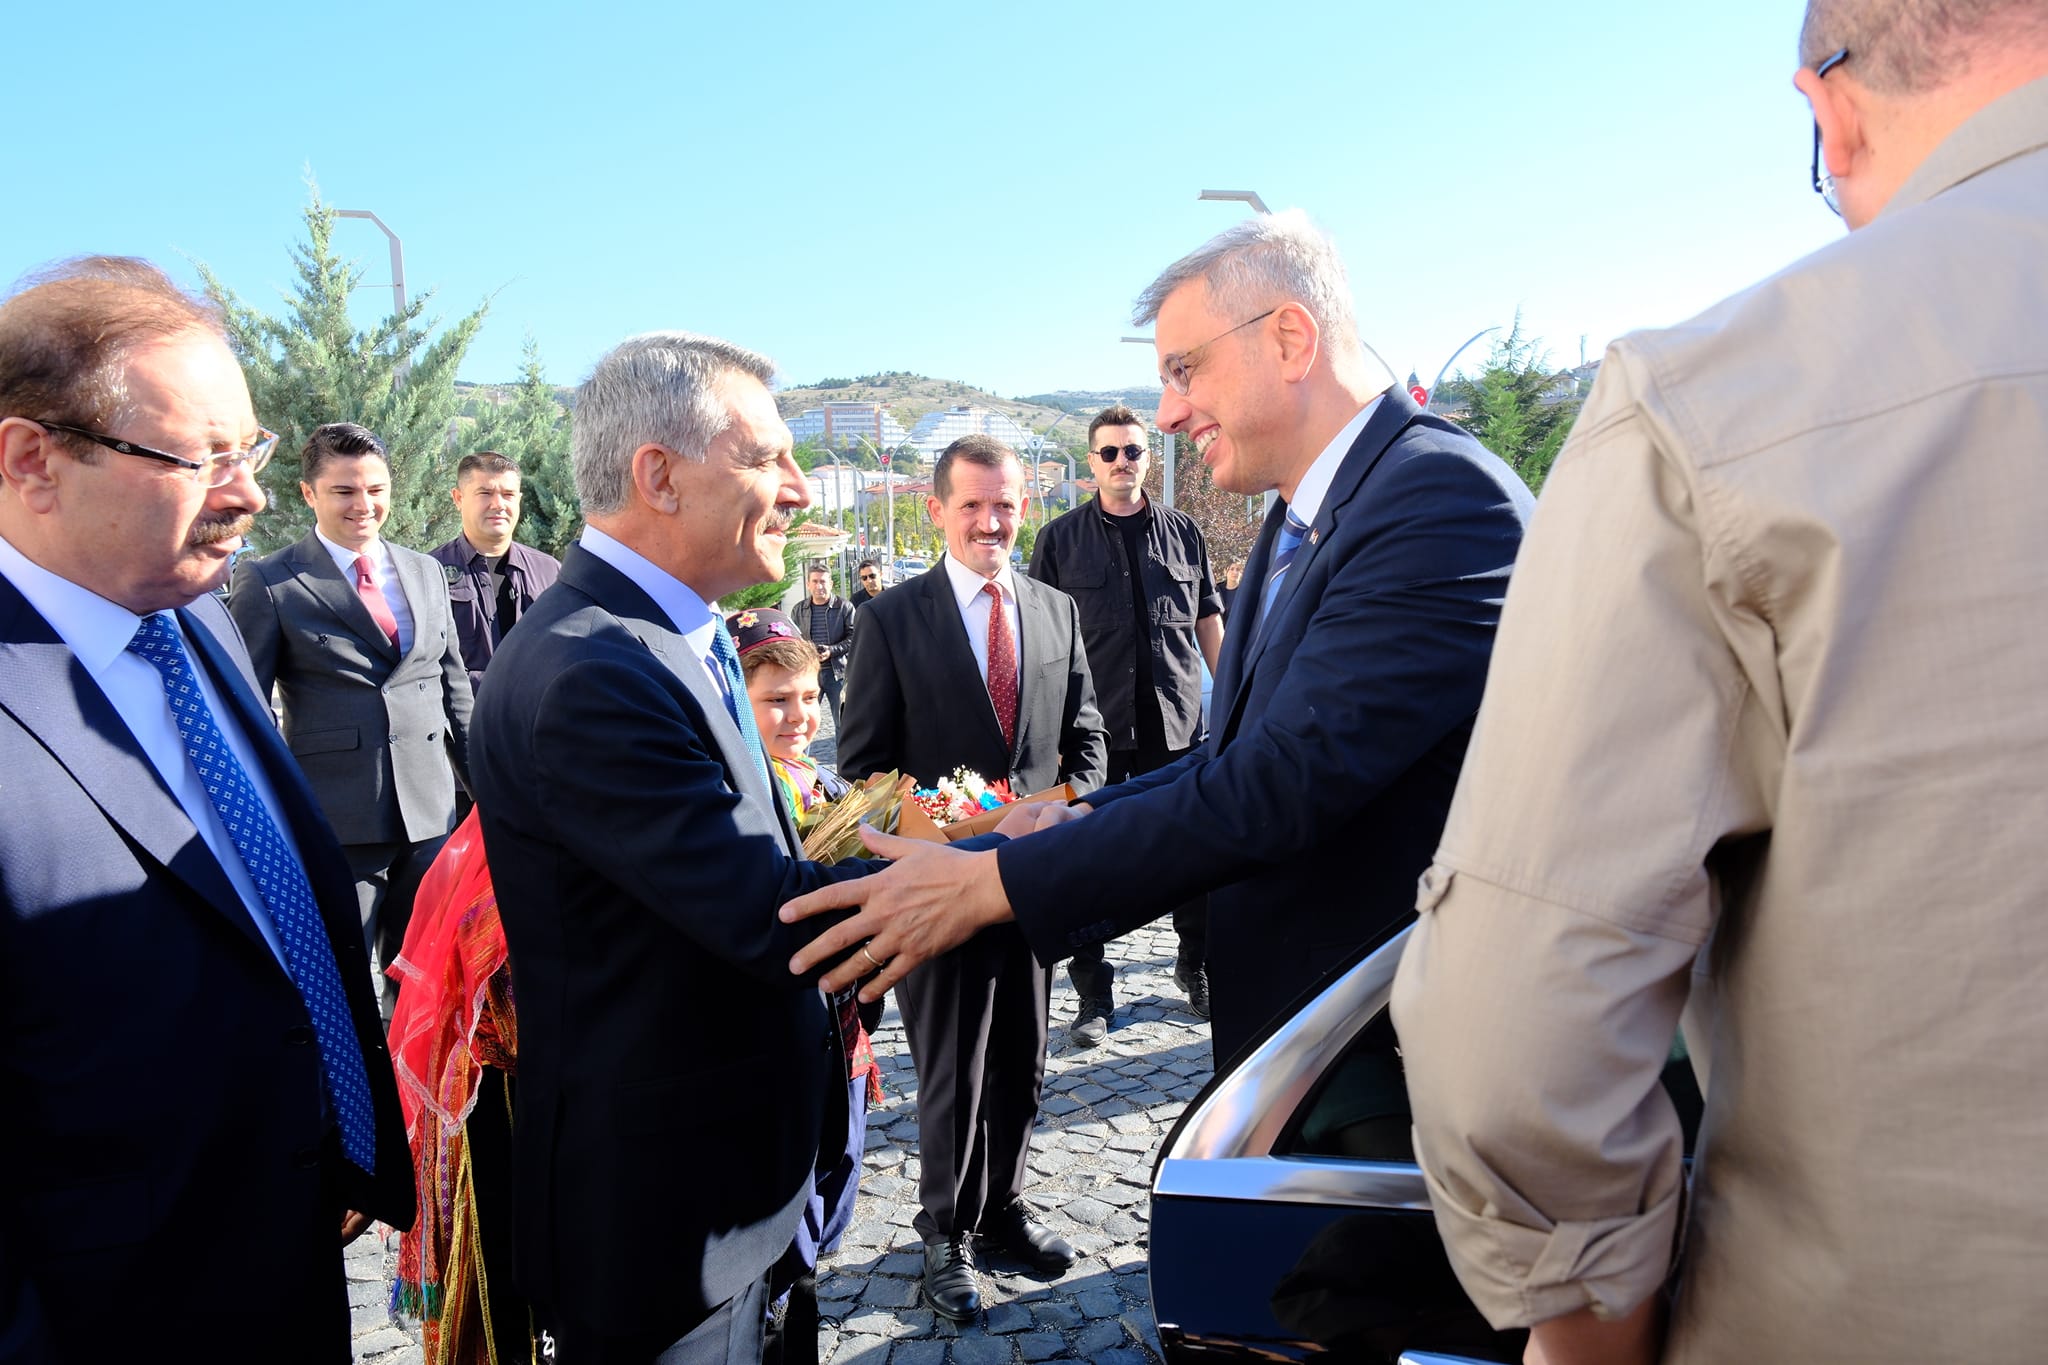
(870,584)
(187,1030)
(1774,663)
(1150,617)
(1346,688)
(360,639)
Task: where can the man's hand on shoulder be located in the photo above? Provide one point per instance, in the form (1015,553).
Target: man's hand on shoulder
(933,899)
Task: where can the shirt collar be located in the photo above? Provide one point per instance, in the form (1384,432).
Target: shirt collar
(686,611)
(95,629)
(967,584)
(345,558)
(2012,125)
(1315,484)
(470,554)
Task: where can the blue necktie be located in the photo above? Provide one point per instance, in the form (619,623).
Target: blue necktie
(1285,545)
(281,881)
(736,701)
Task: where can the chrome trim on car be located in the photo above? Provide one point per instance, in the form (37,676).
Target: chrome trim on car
(1245,1113)
(1294,1180)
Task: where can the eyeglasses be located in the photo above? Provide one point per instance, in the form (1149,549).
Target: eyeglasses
(215,470)
(867,578)
(1133,453)
(1177,368)
(1823,183)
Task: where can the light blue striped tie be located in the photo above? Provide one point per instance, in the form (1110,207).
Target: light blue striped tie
(1285,546)
(736,701)
(280,880)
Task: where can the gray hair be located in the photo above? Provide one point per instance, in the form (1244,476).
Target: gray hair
(658,388)
(1263,262)
(1907,47)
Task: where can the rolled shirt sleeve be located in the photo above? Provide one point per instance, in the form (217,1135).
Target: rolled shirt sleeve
(1626,746)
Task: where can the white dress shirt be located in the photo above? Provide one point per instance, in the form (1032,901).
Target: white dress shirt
(97,632)
(1315,484)
(687,612)
(974,604)
(384,573)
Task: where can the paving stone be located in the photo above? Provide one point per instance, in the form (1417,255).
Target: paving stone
(1056,1315)
(1124,1226)
(1099,1302)
(918,1353)
(1090,1093)
(861,1350)
(981,1351)
(1140,1326)
(1088,1211)
(1040,1345)
(890,1292)
(1098,1337)
(381,1341)
(1123,1356)
(1004,1318)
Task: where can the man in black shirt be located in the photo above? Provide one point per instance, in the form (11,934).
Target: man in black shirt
(1150,614)
(492,578)
(870,584)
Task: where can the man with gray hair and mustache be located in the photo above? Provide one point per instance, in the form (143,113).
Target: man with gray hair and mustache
(1769,663)
(639,849)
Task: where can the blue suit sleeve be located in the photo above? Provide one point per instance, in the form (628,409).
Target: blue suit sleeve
(1393,660)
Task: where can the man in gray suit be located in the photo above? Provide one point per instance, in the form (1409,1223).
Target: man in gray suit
(357,636)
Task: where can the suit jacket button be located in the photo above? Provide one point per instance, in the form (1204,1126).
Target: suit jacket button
(433,735)
(298,1035)
(306,1158)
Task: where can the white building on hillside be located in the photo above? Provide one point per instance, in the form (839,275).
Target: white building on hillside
(937,430)
(841,424)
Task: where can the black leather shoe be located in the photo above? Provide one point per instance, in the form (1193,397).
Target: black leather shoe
(949,1283)
(1091,1023)
(1014,1232)
(1195,981)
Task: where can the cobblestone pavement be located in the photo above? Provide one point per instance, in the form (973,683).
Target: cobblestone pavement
(1105,1112)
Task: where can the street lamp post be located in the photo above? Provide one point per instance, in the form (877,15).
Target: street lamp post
(1453,360)
(397,271)
(889,491)
(1038,453)
(1236,197)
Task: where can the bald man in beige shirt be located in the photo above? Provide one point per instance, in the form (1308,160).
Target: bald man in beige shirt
(1765,741)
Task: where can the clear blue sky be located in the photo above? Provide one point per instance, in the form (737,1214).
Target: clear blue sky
(970,192)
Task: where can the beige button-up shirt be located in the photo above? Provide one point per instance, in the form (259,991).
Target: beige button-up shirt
(1766,729)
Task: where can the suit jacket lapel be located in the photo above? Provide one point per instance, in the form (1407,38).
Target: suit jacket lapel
(650,625)
(46,689)
(418,587)
(1395,411)
(324,580)
(958,674)
(1038,640)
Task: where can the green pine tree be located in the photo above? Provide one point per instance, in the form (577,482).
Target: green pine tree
(308,365)
(1514,410)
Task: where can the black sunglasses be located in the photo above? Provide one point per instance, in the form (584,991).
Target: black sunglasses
(1132,453)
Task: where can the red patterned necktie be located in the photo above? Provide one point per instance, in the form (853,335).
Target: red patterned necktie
(1002,666)
(373,598)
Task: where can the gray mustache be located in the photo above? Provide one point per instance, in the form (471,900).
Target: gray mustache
(213,530)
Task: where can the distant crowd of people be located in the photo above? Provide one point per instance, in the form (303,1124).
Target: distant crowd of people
(498,927)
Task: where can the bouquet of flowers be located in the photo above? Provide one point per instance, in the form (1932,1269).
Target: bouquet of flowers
(831,831)
(962,796)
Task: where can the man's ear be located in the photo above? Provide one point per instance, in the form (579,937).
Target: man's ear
(1839,116)
(1300,339)
(654,478)
(934,509)
(25,466)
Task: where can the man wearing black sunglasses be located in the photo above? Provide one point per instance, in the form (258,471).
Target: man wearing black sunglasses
(1150,617)
(870,584)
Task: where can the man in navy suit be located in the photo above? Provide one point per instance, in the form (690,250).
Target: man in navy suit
(188,1039)
(1350,675)
(675,1080)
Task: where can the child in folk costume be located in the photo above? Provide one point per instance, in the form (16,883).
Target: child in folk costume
(781,669)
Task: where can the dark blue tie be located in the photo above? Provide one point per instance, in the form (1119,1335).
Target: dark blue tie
(281,881)
(1285,545)
(736,701)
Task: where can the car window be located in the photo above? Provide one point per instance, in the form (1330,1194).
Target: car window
(1359,1109)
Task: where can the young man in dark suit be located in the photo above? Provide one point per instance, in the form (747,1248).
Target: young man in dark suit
(186,1022)
(1349,677)
(973,666)
(358,636)
(639,850)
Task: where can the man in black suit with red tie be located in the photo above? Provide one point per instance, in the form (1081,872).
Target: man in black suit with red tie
(973,666)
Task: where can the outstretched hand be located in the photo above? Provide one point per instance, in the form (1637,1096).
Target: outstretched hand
(934,898)
(1030,817)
